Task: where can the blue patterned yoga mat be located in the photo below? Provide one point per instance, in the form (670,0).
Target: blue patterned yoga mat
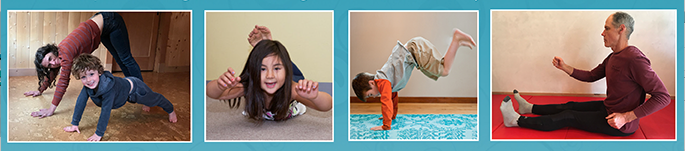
(416,127)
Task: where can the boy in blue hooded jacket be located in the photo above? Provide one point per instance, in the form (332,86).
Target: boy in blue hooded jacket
(110,92)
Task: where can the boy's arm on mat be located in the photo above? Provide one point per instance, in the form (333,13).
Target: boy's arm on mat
(387,108)
(79,107)
(322,100)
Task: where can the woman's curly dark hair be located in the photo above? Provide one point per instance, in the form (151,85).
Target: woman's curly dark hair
(45,72)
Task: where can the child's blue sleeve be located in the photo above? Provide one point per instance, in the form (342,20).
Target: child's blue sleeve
(80,106)
(107,104)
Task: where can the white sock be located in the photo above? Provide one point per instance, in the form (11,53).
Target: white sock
(509,116)
(524,106)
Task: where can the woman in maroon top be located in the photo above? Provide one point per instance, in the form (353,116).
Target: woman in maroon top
(106,27)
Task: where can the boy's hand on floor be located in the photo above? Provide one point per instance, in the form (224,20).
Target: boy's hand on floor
(377,128)
(307,89)
(32,93)
(71,129)
(94,138)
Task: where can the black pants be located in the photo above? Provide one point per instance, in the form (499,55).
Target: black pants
(588,116)
(115,38)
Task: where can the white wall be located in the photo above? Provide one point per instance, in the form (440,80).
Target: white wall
(374,34)
(308,36)
(525,42)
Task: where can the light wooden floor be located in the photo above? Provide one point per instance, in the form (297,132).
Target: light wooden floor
(417,108)
(128,123)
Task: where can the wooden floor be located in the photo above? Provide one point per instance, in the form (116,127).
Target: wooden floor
(128,123)
(417,108)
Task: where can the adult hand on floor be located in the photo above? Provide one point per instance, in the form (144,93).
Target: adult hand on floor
(71,129)
(32,93)
(617,120)
(94,138)
(44,112)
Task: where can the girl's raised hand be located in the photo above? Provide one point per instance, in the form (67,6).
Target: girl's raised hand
(307,89)
(228,80)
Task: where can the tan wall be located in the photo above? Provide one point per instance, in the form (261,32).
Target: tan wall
(374,34)
(524,43)
(178,47)
(28,31)
(174,41)
(308,36)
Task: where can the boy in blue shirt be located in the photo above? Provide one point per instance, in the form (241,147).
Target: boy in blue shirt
(110,92)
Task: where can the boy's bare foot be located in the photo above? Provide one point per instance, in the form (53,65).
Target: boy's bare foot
(146,108)
(463,39)
(172,117)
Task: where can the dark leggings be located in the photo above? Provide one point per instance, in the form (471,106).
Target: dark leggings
(588,116)
(142,94)
(115,38)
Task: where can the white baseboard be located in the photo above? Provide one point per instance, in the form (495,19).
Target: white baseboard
(22,72)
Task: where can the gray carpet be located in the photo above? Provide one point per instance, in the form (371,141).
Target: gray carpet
(224,123)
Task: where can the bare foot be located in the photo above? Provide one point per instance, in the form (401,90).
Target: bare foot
(146,108)
(172,117)
(259,33)
(266,33)
(463,39)
(254,37)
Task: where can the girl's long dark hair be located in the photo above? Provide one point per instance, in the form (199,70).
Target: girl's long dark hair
(255,104)
(46,72)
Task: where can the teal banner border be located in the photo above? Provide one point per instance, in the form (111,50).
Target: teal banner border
(341,94)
